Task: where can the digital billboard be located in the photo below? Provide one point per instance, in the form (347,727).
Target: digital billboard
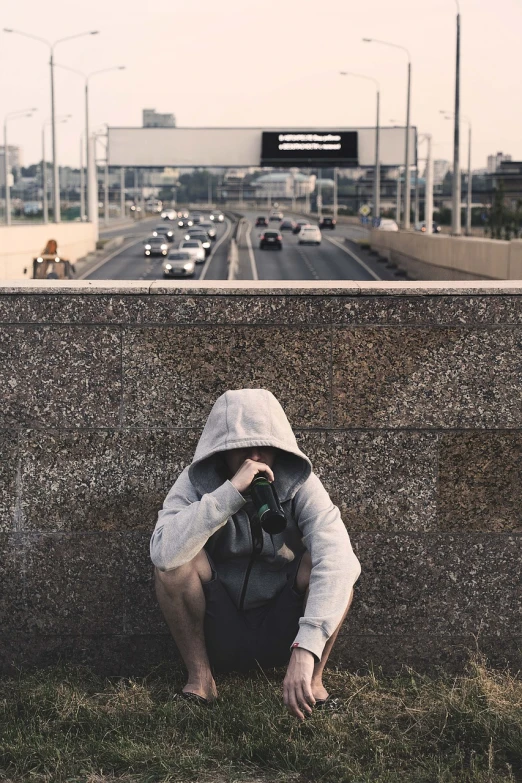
(309,148)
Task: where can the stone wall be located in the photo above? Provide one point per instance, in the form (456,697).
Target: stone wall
(406,397)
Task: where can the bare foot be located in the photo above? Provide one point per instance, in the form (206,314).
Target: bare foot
(205,687)
(319,691)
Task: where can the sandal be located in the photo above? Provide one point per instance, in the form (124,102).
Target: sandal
(194,697)
(330,703)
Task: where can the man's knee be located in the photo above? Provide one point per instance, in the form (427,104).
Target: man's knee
(175,576)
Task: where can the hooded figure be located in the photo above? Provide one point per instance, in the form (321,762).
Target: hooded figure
(204,511)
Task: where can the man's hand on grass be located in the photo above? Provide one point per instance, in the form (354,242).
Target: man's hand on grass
(297,685)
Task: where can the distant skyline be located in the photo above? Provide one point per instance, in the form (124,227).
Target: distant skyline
(271,63)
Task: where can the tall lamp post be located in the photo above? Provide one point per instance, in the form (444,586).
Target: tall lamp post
(10,116)
(52,46)
(86,77)
(448,116)
(377,180)
(456,229)
(44,168)
(407,194)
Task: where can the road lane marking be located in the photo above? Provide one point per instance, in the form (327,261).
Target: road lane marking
(308,263)
(218,242)
(355,258)
(106,260)
(251,252)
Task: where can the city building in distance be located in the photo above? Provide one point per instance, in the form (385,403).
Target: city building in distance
(153,119)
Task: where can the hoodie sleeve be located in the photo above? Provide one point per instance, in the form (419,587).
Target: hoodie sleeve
(335,567)
(186,521)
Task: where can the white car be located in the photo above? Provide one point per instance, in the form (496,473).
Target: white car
(387,224)
(179,264)
(195,248)
(309,235)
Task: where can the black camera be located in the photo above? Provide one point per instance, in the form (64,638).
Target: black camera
(267,505)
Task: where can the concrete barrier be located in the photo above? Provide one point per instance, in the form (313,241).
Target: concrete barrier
(20,244)
(406,396)
(445,257)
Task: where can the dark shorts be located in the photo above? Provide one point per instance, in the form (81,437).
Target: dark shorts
(241,641)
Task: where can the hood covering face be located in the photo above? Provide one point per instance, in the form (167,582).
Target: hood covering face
(243,418)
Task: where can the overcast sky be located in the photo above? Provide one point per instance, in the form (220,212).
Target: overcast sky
(266,63)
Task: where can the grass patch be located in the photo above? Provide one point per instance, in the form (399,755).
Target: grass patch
(66,725)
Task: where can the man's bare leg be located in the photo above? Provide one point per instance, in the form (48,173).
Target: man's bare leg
(302,582)
(182,601)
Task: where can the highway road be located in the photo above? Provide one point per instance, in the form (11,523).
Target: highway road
(130,263)
(337,257)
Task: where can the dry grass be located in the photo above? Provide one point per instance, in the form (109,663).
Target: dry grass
(67,725)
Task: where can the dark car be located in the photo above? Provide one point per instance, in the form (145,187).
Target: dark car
(164,229)
(209,228)
(298,226)
(287,225)
(327,222)
(271,239)
(261,221)
(156,246)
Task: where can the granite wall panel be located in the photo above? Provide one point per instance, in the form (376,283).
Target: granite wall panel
(173,375)
(408,402)
(423,378)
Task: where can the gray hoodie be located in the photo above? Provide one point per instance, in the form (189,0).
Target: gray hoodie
(204,510)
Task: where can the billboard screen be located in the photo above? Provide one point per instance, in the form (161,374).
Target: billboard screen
(311,148)
(235,147)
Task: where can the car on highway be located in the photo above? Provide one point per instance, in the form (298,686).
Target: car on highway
(164,229)
(203,237)
(436,229)
(179,263)
(195,248)
(298,226)
(185,222)
(287,225)
(196,217)
(209,228)
(217,216)
(275,216)
(271,239)
(155,246)
(183,213)
(169,214)
(261,221)
(327,222)
(387,224)
(309,235)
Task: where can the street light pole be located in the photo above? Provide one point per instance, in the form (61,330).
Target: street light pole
(377,175)
(456,227)
(44,179)
(449,116)
(52,46)
(407,179)
(10,115)
(88,161)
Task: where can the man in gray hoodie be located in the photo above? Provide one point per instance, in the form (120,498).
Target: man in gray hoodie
(234,596)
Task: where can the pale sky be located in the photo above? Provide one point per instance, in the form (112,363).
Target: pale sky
(266,63)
